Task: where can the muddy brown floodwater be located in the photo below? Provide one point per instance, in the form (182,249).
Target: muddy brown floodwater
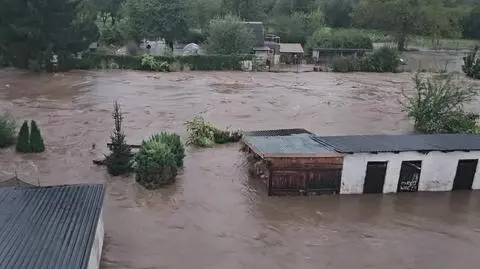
(215,216)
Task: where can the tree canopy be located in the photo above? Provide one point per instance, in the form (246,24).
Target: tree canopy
(32,31)
(156,18)
(403,18)
(229,35)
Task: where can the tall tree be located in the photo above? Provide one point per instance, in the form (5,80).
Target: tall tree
(229,36)
(287,7)
(200,12)
(107,8)
(337,12)
(31,31)
(249,10)
(156,18)
(297,27)
(403,18)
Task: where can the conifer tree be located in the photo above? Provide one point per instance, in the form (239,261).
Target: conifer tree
(36,140)
(23,141)
(119,162)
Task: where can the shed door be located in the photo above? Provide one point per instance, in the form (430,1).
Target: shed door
(409,176)
(465,173)
(375,177)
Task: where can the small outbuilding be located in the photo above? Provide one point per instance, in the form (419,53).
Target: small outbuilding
(54,227)
(296,161)
(289,162)
(291,53)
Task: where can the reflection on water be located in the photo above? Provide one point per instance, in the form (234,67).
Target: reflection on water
(215,216)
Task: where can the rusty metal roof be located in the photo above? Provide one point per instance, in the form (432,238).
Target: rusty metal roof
(48,227)
(400,143)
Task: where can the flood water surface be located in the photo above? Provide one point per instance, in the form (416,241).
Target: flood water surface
(215,216)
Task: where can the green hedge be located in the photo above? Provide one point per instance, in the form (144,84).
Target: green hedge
(196,62)
(340,39)
(381,61)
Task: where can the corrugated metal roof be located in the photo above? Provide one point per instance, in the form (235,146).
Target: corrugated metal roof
(277,132)
(400,143)
(300,144)
(50,227)
(291,48)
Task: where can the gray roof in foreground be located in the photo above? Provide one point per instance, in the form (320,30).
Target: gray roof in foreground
(401,143)
(48,227)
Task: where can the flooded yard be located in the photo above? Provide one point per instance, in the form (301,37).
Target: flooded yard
(215,216)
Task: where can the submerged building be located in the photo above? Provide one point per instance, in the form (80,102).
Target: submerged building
(296,161)
(58,227)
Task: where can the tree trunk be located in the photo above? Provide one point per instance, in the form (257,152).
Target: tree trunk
(401,42)
(170,44)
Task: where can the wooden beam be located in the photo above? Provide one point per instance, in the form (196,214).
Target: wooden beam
(109,145)
(252,148)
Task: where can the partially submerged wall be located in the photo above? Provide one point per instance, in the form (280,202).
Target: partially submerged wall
(301,175)
(437,173)
(96,251)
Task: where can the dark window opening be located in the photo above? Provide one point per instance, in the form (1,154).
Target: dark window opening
(375,177)
(466,170)
(409,176)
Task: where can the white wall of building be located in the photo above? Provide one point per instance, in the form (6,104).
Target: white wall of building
(96,252)
(437,174)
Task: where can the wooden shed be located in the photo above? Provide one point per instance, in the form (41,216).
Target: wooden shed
(291,53)
(290,162)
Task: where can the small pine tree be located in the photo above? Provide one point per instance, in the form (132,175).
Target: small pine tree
(119,162)
(23,141)
(36,140)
